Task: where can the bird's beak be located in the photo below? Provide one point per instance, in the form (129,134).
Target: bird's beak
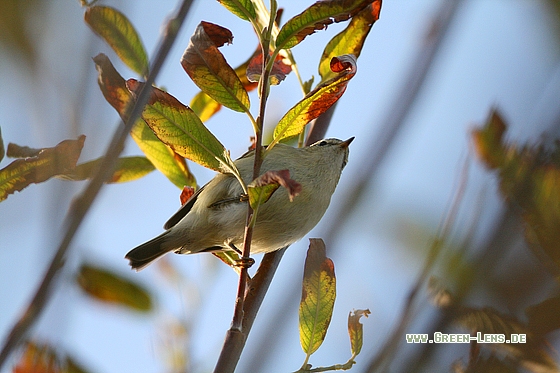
(346,143)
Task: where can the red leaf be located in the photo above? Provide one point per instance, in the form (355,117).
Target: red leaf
(280,68)
(210,71)
(186,194)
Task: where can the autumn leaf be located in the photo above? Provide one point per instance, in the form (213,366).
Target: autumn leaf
(209,70)
(317,17)
(186,194)
(205,106)
(350,40)
(317,298)
(179,128)
(42,358)
(262,188)
(115,28)
(356,330)
(111,288)
(114,89)
(529,178)
(317,101)
(49,162)
(127,169)
(280,69)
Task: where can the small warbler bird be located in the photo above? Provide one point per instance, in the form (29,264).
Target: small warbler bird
(213,219)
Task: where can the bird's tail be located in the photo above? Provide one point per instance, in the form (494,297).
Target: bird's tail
(142,255)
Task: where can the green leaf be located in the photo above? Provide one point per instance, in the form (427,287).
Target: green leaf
(108,287)
(356,330)
(118,32)
(261,189)
(210,71)
(48,163)
(317,298)
(127,169)
(178,127)
(350,40)
(244,9)
(205,106)
(161,156)
(317,17)
(317,101)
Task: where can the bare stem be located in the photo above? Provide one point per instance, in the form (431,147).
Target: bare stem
(83,202)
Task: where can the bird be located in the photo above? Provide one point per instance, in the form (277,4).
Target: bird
(214,217)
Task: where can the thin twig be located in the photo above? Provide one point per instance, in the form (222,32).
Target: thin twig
(83,202)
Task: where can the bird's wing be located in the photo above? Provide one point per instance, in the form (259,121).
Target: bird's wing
(184,210)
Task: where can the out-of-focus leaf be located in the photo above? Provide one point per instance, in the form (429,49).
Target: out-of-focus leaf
(530,179)
(1,146)
(488,140)
(18,151)
(113,87)
(350,40)
(317,101)
(15,17)
(48,163)
(244,9)
(545,316)
(42,358)
(178,127)
(127,169)
(317,17)
(38,358)
(356,330)
(489,321)
(111,288)
(280,68)
(317,297)
(262,188)
(210,71)
(115,28)
(204,106)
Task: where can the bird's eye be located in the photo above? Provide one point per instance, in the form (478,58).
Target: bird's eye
(322,143)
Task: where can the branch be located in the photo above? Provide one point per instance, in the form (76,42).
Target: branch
(83,202)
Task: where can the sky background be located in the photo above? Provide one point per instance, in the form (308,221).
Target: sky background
(496,53)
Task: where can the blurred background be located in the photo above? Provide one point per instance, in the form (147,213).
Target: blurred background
(429,74)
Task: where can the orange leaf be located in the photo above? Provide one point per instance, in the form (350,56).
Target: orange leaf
(317,101)
(210,71)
